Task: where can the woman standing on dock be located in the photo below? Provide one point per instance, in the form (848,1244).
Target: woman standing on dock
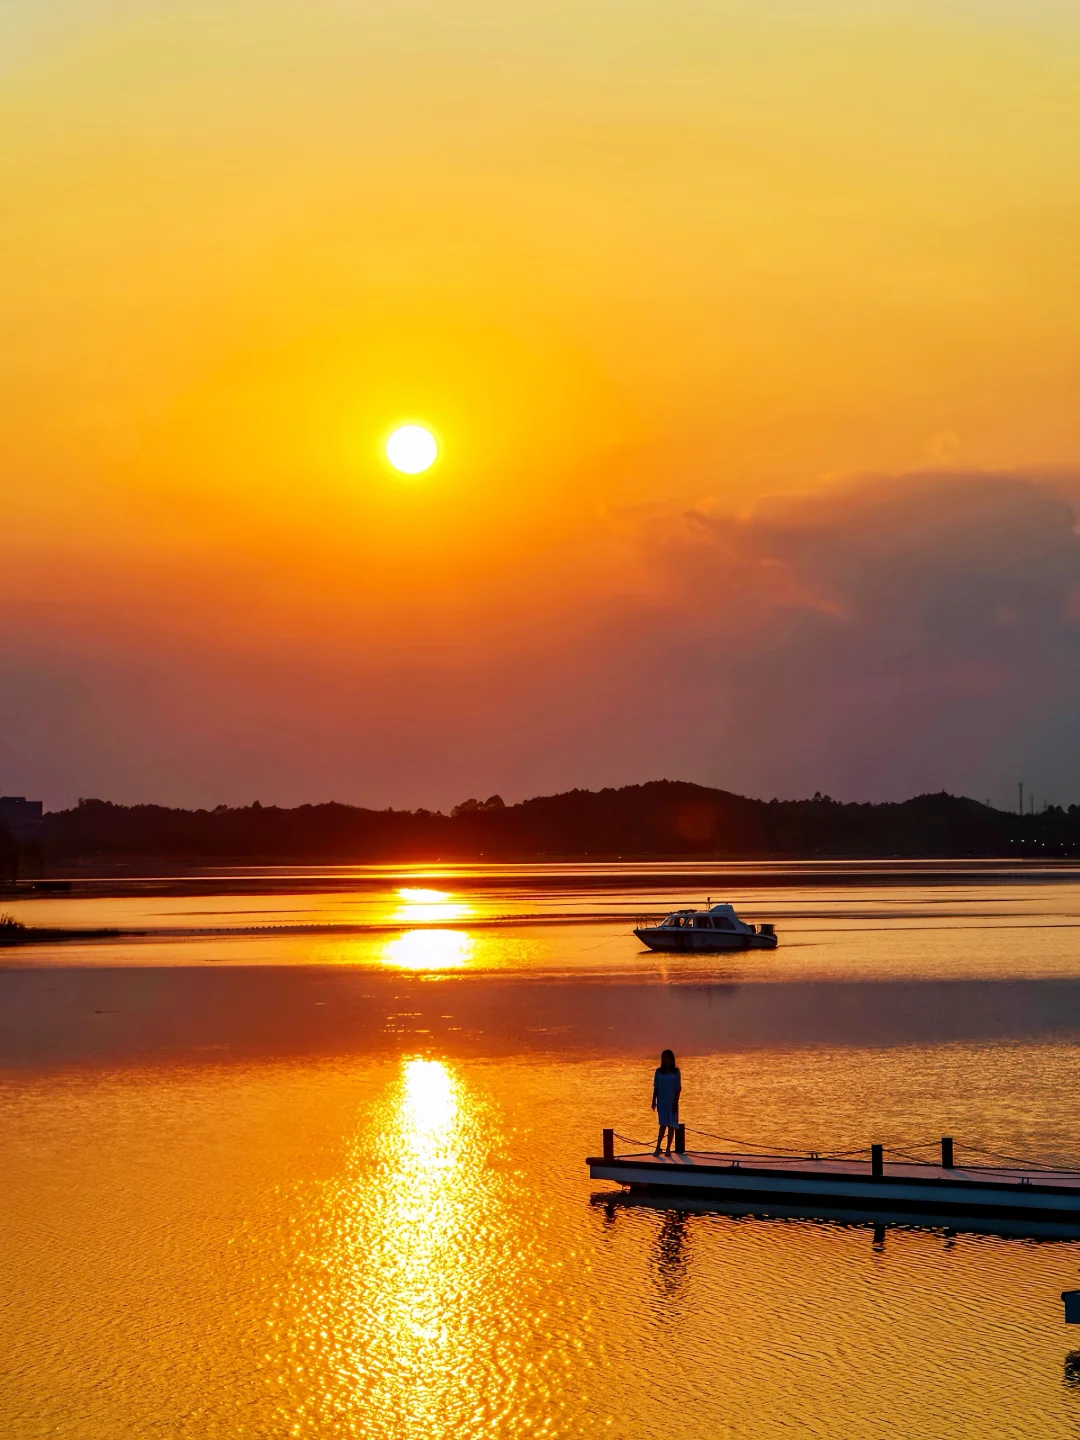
(666,1089)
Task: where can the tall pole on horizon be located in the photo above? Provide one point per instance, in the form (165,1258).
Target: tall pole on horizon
(1021,797)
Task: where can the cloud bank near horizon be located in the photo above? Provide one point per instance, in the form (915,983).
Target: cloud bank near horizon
(889,636)
(872,639)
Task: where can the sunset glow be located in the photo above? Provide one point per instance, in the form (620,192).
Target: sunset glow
(539,633)
(695,324)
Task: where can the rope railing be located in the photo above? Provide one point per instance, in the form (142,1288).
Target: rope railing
(1009,1159)
(750,1144)
(901,1151)
(801,1152)
(934,1144)
(906,1155)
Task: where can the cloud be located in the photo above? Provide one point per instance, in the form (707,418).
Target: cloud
(871,639)
(884,636)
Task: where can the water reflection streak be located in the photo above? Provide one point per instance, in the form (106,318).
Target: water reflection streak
(425,907)
(429,950)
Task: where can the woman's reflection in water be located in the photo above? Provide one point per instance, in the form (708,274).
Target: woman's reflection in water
(671,1252)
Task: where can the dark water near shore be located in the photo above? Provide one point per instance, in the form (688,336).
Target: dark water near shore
(332,1183)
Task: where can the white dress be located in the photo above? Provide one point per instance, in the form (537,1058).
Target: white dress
(666,1087)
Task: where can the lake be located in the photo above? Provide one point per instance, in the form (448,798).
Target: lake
(301,1152)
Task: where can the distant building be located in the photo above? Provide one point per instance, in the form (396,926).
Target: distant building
(21,818)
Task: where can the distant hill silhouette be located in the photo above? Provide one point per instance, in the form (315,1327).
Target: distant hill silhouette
(662,818)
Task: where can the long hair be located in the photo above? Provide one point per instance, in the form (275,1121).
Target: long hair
(667,1061)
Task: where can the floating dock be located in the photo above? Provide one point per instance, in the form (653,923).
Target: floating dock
(909,1186)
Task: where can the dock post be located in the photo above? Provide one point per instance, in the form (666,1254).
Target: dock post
(946,1152)
(609,1144)
(877,1166)
(680,1139)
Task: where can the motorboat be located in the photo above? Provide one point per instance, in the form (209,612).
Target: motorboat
(717,927)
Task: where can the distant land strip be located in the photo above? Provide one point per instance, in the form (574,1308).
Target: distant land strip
(663,819)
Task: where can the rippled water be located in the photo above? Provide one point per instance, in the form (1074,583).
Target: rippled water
(859,921)
(287,1197)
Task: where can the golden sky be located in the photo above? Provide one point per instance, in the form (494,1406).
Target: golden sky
(628,261)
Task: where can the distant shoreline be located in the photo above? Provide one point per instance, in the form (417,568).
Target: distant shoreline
(16,937)
(661,822)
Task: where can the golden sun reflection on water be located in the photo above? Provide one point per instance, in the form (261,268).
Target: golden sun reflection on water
(430,1100)
(401,1309)
(419,907)
(420,1270)
(429,950)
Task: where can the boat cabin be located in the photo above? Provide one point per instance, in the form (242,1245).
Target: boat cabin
(718,917)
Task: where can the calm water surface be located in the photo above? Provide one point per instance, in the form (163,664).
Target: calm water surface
(326,1184)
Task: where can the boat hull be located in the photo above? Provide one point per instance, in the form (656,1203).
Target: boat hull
(685,941)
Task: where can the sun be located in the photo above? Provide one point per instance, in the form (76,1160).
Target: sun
(412,449)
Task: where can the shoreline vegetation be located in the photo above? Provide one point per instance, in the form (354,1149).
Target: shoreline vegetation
(14,932)
(659,820)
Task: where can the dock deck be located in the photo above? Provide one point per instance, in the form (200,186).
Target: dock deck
(987,1190)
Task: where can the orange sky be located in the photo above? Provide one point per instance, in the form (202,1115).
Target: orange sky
(629,262)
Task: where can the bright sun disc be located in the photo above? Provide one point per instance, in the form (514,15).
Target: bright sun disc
(411,449)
